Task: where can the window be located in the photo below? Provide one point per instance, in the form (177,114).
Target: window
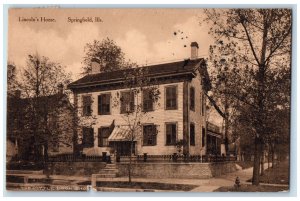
(203,136)
(149,135)
(192,134)
(171,98)
(87,137)
(171,133)
(103,134)
(192,98)
(104,104)
(127,102)
(147,100)
(86,105)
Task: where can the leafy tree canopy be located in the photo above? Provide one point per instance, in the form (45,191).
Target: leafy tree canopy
(110,56)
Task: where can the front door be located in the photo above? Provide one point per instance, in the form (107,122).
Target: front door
(123,148)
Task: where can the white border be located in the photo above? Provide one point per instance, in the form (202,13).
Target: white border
(158,3)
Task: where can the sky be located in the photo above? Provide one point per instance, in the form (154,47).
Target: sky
(146,36)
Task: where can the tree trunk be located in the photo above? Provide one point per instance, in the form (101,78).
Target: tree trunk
(273,157)
(256,165)
(226,142)
(262,164)
(46,152)
(130,159)
(269,157)
(260,103)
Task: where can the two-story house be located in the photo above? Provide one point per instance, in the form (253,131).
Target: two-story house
(179,114)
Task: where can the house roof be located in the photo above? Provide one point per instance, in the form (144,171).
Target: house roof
(166,69)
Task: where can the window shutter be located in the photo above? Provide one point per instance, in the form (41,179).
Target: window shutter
(174,130)
(91,137)
(175,97)
(192,134)
(131,101)
(99,105)
(154,134)
(108,103)
(100,144)
(145,137)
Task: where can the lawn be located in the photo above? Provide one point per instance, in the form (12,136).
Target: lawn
(143,185)
(280,174)
(252,188)
(277,175)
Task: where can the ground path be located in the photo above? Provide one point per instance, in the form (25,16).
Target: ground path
(204,185)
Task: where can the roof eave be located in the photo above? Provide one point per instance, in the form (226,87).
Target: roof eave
(120,80)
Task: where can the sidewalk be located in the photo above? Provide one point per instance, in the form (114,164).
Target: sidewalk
(204,185)
(229,180)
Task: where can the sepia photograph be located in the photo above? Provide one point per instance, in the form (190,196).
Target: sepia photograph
(148,99)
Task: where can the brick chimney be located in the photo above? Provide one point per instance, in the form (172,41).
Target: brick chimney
(95,64)
(194,50)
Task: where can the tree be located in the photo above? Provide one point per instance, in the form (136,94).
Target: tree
(223,78)
(41,99)
(259,39)
(11,78)
(133,106)
(110,56)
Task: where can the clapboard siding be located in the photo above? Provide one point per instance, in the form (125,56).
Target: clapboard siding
(159,117)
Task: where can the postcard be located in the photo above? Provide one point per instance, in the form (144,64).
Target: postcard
(148,99)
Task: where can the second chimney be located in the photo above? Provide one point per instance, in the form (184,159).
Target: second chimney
(194,50)
(95,64)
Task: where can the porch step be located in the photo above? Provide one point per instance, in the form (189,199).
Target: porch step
(109,171)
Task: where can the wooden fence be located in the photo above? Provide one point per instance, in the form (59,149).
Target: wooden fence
(140,158)
(74,158)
